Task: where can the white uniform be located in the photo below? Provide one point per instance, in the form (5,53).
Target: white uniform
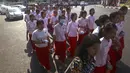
(49,13)
(102,55)
(26,19)
(72,29)
(91,20)
(54,20)
(83,25)
(33,12)
(39,35)
(68,17)
(119,28)
(38,16)
(31,26)
(96,31)
(59,32)
(45,20)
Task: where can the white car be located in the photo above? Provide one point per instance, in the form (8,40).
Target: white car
(83,3)
(3,9)
(14,13)
(21,7)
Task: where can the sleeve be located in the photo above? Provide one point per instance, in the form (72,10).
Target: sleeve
(27,25)
(46,31)
(78,22)
(46,21)
(109,66)
(89,22)
(96,31)
(54,32)
(34,38)
(25,18)
(68,28)
(65,28)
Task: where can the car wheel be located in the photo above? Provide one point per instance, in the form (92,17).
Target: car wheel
(21,17)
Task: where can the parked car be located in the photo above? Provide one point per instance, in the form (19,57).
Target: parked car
(83,3)
(14,13)
(21,7)
(3,9)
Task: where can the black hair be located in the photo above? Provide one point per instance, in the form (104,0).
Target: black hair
(88,41)
(91,10)
(107,28)
(39,22)
(81,13)
(27,11)
(123,8)
(113,15)
(72,15)
(42,12)
(97,22)
(37,10)
(63,11)
(54,11)
(30,16)
(102,19)
(82,8)
(68,8)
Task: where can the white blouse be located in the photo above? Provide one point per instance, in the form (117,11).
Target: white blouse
(59,32)
(72,29)
(83,25)
(102,55)
(91,21)
(31,26)
(39,35)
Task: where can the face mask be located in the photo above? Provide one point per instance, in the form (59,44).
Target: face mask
(62,21)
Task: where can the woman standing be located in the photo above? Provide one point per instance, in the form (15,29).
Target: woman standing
(44,18)
(83,26)
(68,14)
(72,30)
(53,22)
(26,19)
(100,22)
(59,35)
(31,26)
(37,15)
(84,60)
(41,39)
(91,19)
(102,58)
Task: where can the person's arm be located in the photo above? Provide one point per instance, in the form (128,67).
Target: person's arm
(25,18)
(27,35)
(109,66)
(54,35)
(27,32)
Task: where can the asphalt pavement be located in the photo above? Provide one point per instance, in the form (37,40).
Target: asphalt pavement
(15,51)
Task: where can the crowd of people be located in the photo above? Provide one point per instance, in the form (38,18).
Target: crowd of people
(92,50)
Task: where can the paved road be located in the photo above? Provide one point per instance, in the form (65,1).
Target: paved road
(15,52)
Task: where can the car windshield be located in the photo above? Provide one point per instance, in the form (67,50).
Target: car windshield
(14,10)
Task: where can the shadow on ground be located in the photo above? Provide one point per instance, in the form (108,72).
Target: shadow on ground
(7,20)
(122,68)
(28,49)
